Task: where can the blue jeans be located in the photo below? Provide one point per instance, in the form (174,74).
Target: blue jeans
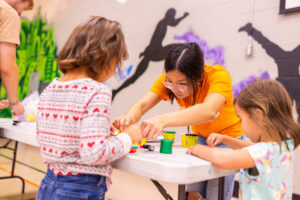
(209,189)
(73,187)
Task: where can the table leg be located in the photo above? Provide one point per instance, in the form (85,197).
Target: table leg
(181,192)
(12,175)
(162,190)
(221,188)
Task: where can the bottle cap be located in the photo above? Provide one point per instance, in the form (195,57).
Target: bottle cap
(166,146)
(172,132)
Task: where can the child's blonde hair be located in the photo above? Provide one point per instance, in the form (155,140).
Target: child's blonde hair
(273,100)
(93,44)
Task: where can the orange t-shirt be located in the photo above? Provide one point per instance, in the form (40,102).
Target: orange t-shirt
(216,80)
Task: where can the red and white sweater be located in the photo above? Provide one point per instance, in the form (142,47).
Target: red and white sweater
(73,128)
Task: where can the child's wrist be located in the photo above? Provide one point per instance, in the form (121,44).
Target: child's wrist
(224,138)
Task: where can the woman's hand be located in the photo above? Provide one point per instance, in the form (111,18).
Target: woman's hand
(214,139)
(123,122)
(152,128)
(4,104)
(17,109)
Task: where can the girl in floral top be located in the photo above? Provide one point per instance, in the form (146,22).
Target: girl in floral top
(265,110)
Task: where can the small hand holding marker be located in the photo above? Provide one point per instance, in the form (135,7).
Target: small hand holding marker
(123,122)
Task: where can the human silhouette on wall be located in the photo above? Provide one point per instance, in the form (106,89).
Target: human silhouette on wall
(287,62)
(155,51)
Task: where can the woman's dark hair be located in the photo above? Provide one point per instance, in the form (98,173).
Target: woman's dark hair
(188,59)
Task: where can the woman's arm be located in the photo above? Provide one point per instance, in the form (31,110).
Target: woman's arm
(148,101)
(136,111)
(223,158)
(197,114)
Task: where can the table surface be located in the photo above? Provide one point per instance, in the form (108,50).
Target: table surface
(178,167)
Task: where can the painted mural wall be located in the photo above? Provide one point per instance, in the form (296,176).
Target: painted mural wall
(35,58)
(220,27)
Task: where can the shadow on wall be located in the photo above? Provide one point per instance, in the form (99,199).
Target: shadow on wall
(287,63)
(155,51)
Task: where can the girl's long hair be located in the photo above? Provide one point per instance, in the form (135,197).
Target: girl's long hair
(273,100)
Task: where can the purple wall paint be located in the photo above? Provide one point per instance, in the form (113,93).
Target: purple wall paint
(236,89)
(216,53)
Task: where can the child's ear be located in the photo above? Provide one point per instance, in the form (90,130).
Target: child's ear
(259,113)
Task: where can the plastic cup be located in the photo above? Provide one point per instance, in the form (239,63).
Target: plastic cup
(188,140)
(166,146)
(169,135)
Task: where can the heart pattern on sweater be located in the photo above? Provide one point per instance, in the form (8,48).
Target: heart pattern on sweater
(91,144)
(96,110)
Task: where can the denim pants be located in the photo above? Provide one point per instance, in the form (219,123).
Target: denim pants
(209,189)
(72,187)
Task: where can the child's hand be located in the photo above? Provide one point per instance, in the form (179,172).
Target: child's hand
(112,130)
(134,132)
(4,104)
(194,149)
(123,122)
(214,139)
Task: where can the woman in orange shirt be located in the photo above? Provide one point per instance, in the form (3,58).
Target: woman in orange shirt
(205,95)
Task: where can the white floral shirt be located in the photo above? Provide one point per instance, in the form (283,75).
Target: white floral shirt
(273,179)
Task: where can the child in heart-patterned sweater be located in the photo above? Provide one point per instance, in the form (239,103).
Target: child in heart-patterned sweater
(73,121)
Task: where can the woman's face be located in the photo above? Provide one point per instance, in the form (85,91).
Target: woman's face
(178,83)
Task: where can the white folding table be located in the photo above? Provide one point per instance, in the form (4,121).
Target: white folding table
(178,167)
